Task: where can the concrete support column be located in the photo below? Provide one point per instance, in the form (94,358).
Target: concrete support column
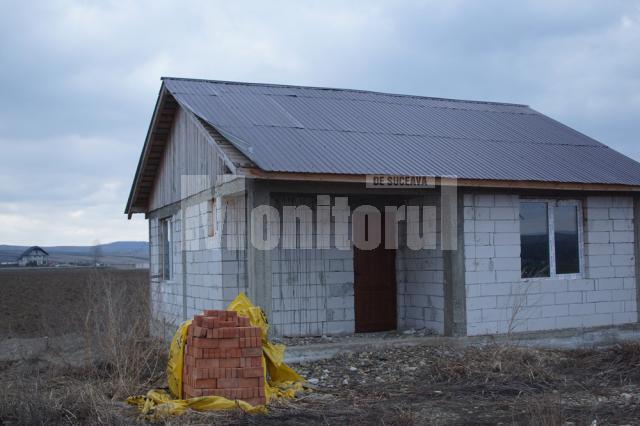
(636,228)
(259,278)
(455,303)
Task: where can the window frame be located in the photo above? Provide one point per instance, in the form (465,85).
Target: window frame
(552,203)
(163,248)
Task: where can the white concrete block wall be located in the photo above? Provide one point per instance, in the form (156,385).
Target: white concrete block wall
(420,278)
(166,296)
(499,301)
(312,289)
(215,270)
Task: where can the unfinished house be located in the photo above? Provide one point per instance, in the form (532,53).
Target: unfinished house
(341,211)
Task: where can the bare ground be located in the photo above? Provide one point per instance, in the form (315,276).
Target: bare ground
(498,384)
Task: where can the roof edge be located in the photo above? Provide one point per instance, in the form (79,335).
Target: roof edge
(293,86)
(130,209)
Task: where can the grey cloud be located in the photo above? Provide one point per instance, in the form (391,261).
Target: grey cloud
(79,79)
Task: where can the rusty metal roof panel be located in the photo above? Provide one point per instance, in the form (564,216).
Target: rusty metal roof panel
(318,130)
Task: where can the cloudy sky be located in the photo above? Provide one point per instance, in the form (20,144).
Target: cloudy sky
(79,80)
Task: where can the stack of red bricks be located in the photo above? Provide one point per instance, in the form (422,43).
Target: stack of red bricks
(223,357)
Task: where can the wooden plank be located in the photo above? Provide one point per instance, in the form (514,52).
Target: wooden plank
(324,177)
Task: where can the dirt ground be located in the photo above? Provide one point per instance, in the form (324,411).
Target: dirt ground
(45,301)
(495,384)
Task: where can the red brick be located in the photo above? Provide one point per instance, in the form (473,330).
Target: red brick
(199,331)
(197,320)
(230,362)
(206,383)
(252,351)
(243,321)
(252,372)
(251,382)
(208,363)
(227,383)
(200,342)
(229,343)
(225,324)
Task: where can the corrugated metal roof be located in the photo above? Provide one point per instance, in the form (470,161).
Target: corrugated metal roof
(317,130)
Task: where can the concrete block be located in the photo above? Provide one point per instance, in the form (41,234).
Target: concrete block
(599,225)
(339,302)
(623,225)
(483,302)
(599,201)
(620,213)
(599,260)
(506,200)
(571,321)
(598,213)
(610,284)
(498,289)
(582,309)
(484,200)
(581,285)
(486,251)
(623,248)
(536,324)
(508,276)
(555,311)
(622,237)
(624,295)
(540,299)
(598,296)
(625,317)
(601,272)
(506,238)
(507,226)
(609,307)
(497,314)
(598,237)
(597,320)
(485,225)
(566,297)
(599,249)
(506,264)
(504,213)
(482,213)
(507,251)
(624,271)
(480,277)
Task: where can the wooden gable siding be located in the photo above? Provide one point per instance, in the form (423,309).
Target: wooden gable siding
(189,164)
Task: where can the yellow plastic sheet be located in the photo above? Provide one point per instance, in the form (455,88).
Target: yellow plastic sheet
(281,381)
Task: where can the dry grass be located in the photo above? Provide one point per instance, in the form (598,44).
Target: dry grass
(121,359)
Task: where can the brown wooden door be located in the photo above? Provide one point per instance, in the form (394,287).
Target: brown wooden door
(375,287)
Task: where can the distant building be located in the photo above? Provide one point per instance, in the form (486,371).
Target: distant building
(33,256)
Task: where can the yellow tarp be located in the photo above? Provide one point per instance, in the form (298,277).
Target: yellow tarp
(281,381)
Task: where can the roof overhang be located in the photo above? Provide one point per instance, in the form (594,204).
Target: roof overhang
(475,183)
(151,156)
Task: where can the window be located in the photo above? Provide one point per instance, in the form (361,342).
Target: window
(166,236)
(550,238)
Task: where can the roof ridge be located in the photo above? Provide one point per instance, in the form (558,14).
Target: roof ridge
(293,86)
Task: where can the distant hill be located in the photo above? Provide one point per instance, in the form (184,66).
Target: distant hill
(116,253)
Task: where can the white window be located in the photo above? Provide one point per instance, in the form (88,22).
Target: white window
(166,237)
(551,238)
